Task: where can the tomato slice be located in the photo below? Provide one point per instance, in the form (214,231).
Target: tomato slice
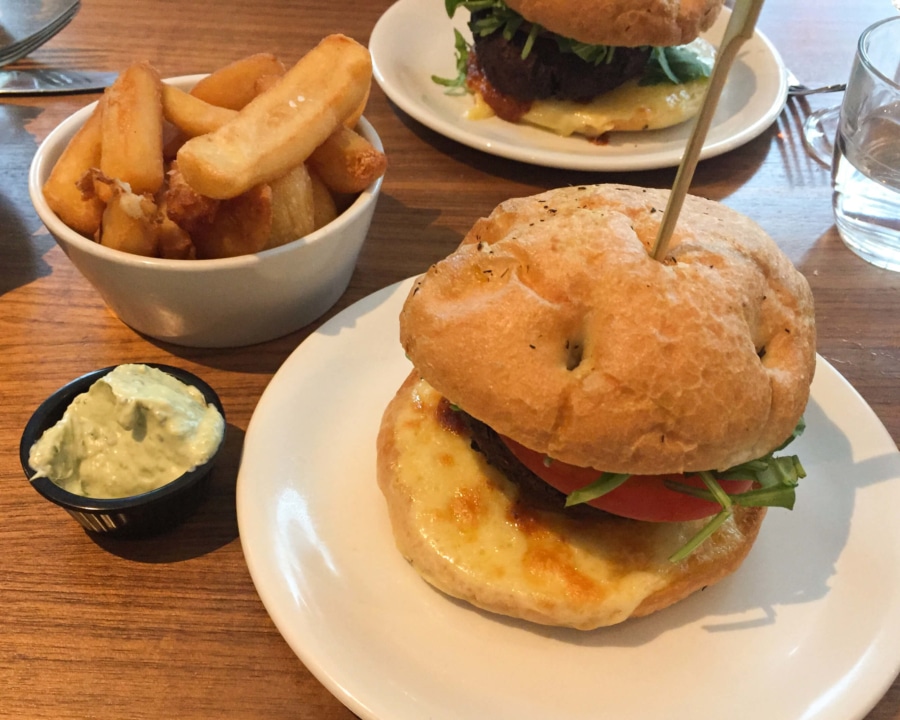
(641,497)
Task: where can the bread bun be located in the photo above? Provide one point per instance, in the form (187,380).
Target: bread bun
(459,523)
(626,23)
(553,324)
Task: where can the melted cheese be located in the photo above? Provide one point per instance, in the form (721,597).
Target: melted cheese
(457,520)
(630,107)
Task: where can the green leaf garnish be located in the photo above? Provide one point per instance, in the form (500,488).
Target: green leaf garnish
(700,537)
(501,18)
(776,496)
(602,485)
(675,65)
(457,85)
(775,480)
(718,494)
(498,18)
(593,54)
(783,497)
(795,433)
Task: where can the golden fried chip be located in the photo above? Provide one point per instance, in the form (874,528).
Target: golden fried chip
(352,119)
(324,207)
(347,162)
(293,209)
(190,114)
(62,190)
(132,129)
(173,241)
(234,85)
(129,224)
(184,205)
(264,82)
(241,226)
(280,128)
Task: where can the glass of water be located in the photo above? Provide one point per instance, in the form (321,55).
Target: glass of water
(865,170)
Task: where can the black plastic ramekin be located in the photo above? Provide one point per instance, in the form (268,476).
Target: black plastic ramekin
(137,515)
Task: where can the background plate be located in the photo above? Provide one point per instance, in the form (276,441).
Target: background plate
(413,40)
(809,627)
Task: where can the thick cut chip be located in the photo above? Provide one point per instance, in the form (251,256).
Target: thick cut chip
(63,193)
(280,128)
(324,206)
(234,85)
(241,226)
(347,162)
(192,115)
(293,213)
(132,124)
(129,224)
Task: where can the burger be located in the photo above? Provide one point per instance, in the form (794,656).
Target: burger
(585,66)
(589,433)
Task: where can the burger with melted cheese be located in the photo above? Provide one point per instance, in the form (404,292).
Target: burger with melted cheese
(591,434)
(585,66)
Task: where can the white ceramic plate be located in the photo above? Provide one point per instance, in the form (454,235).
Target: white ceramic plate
(808,628)
(413,40)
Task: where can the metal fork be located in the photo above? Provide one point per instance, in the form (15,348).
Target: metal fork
(798,89)
(27,45)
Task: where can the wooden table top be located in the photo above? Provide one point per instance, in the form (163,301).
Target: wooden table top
(174,627)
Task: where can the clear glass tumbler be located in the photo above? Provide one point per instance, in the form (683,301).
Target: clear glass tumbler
(865,170)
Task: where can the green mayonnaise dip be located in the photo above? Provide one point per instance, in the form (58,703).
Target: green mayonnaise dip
(136,429)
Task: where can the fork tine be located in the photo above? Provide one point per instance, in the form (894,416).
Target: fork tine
(39,38)
(29,44)
(58,23)
(50,28)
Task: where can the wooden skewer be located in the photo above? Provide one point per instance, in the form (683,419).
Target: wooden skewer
(740,28)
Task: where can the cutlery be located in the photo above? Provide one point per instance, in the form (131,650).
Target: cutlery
(49,82)
(21,48)
(798,89)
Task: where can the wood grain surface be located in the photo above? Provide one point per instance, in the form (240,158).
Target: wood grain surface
(93,628)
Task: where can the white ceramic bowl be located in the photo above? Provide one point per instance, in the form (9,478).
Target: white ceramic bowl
(213,303)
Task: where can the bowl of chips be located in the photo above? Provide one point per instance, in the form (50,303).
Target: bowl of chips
(218,210)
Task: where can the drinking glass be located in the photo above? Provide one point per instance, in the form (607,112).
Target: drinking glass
(865,169)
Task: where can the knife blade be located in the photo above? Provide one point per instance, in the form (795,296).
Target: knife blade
(45,81)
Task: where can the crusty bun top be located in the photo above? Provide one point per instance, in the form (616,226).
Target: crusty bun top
(625,23)
(553,324)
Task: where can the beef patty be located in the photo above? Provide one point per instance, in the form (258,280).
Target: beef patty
(548,72)
(533,491)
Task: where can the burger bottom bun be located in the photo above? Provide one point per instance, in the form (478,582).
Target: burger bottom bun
(458,521)
(624,23)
